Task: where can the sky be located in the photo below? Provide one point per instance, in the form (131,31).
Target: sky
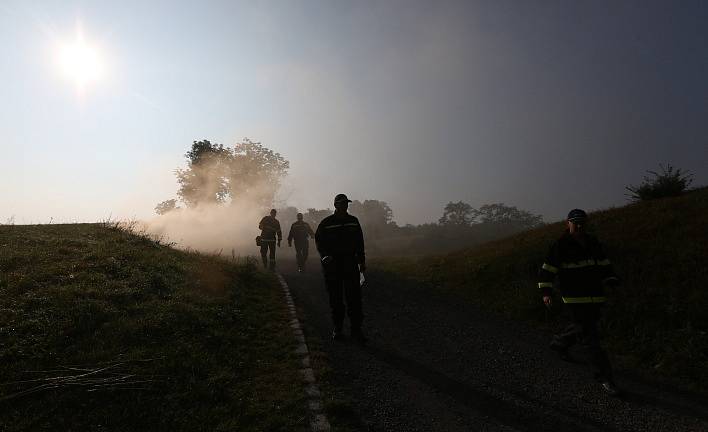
(544,105)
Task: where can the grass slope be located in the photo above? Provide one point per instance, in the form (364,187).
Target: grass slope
(657,320)
(208,338)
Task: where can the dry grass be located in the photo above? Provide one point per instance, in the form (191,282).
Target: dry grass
(193,342)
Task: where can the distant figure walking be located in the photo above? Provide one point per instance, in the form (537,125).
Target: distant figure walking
(300,231)
(340,243)
(583,271)
(270,228)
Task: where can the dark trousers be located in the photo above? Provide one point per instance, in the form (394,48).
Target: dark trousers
(584,330)
(265,245)
(301,251)
(341,289)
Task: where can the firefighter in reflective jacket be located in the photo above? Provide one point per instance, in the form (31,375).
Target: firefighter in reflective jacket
(583,272)
(340,243)
(270,228)
(300,231)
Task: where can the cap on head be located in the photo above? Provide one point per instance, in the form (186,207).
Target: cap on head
(577,216)
(341,198)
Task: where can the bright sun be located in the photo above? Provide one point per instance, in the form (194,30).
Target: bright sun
(80,61)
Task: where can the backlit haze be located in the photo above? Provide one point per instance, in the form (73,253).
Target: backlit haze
(544,105)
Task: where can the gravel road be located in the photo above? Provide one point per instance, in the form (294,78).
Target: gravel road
(437,364)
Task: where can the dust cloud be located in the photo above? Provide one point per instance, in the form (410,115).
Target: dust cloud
(221,210)
(224,191)
(210,228)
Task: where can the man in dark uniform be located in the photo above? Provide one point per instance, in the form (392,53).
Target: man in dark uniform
(583,271)
(340,242)
(300,231)
(270,227)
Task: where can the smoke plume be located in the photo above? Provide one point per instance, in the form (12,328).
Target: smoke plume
(211,228)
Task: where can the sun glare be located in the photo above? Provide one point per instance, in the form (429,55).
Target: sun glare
(80,61)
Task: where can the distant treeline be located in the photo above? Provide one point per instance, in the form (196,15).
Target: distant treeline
(460,226)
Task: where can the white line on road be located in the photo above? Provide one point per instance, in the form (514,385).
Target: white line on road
(319,422)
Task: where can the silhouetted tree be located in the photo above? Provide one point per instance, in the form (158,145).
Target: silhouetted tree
(457,214)
(216,174)
(499,213)
(670,182)
(204,179)
(314,216)
(166,206)
(255,172)
(204,151)
(376,217)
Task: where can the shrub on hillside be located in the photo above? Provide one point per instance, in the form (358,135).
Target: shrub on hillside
(670,182)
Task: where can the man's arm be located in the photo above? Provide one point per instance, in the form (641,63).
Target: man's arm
(290,234)
(360,252)
(309,230)
(320,241)
(547,274)
(279,232)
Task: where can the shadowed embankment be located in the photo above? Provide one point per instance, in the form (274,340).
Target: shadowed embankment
(654,322)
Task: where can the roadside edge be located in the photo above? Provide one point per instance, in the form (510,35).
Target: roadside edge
(319,422)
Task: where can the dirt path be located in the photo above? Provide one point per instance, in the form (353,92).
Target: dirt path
(434,364)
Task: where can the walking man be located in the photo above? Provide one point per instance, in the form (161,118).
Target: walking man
(300,231)
(340,243)
(270,228)
(583,272)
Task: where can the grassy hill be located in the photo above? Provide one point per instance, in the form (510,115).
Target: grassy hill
(657,320)
(101,329)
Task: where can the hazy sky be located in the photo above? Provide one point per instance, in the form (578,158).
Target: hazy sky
(546,105)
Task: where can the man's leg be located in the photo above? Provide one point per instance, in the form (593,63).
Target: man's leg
(591,340)
(272,254)
(354,309)
(298,254)
(305,252)
(352,291)
(264,253)
(570,335)
(336,302)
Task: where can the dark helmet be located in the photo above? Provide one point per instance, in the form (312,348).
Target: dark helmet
(577,216)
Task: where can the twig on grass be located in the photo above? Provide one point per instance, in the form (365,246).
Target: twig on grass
(105,376)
